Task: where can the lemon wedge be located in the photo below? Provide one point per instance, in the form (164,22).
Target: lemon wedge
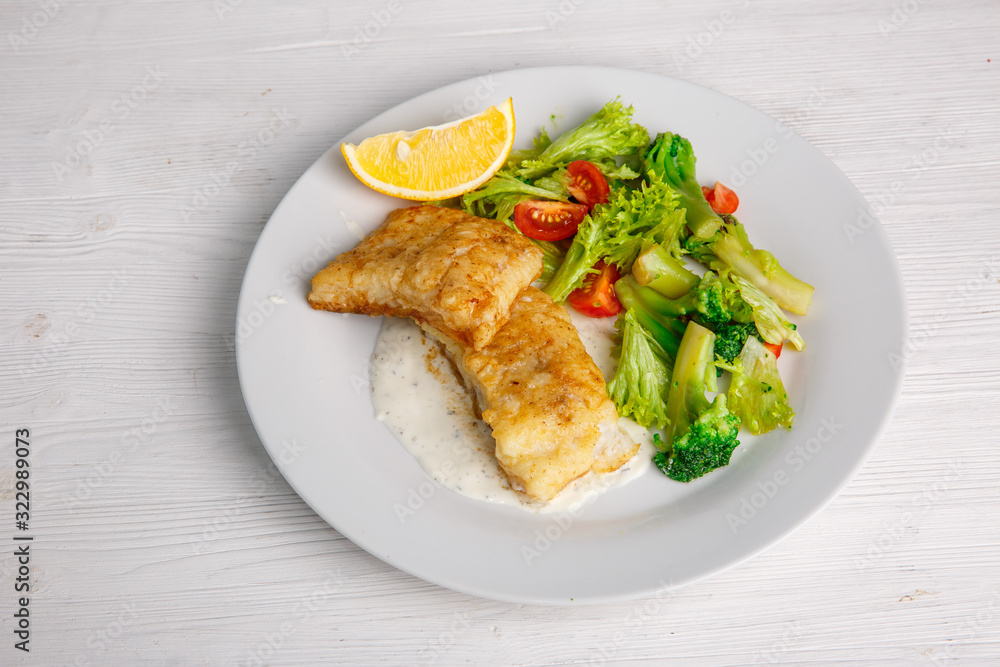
(435,162)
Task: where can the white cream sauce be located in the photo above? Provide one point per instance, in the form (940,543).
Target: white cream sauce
(419,395)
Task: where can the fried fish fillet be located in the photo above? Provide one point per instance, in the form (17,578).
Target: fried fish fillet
(455,272)
(544,397)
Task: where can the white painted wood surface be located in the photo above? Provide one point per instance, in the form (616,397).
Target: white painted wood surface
(162,533)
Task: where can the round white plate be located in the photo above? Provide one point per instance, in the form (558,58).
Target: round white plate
(303,372)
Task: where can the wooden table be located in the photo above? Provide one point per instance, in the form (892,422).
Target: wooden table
(163,534)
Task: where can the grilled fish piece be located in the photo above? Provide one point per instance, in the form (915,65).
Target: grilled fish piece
(444,268)
(544,397)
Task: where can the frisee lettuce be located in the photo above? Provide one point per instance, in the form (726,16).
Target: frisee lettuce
(608,133)
(642,380)
(616,232)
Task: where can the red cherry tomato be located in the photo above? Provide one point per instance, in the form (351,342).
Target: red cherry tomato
(596,298)
(723,200)
(587,183)
(548,220)
(775,348)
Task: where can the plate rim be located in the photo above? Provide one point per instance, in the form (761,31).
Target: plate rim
(898,290)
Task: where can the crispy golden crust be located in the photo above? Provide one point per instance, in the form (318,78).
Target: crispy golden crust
(454,272)
(545,399)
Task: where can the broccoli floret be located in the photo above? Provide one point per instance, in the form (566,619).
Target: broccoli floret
(713,303)
(671,157)
(729,248)
(642,380)
(701,434)
(708,444)
(732,333)
(707,302)
(756,392)
(731,337)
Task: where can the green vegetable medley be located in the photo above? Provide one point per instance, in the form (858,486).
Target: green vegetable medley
(679,331)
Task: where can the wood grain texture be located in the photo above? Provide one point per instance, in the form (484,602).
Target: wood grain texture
(163,533)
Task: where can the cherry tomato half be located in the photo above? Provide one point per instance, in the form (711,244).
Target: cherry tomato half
(596,298)
(587,183)
(548,220)
(723,200)
(775,349)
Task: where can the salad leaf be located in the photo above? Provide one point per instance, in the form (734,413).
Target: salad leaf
(553,255)
(771,322)
(642,380)
(616,232)
(756,393)
(608,133)
(499,195)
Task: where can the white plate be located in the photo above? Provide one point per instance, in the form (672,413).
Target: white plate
(303,372)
